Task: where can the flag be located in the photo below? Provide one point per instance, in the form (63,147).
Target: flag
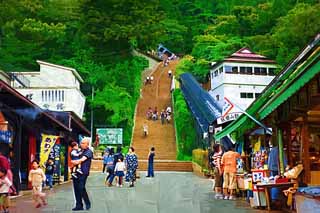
(47,144)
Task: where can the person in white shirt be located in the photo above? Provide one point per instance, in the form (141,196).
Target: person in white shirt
(5,185)
(169,110)
(169,73)
(119,171)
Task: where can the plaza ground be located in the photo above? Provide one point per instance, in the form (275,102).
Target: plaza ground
(168,192)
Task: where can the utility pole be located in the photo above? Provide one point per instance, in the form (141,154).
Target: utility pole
(91,125)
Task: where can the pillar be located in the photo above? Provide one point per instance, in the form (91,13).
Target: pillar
(281,152)
(305,150)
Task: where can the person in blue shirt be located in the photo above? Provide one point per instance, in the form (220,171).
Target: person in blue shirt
(79,184)
(150,162)
(274,167)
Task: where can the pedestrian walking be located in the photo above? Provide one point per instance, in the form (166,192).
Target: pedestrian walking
(229,162)
(4,163)
(79,184)
(145,130)
(218,170)
(162,116)
(111,175)
(109,165)
(168,117)
(37,177)
(132,165)
(169,73)
(5,185)
(49,172)
(150,162)
(105,160)
(119,171)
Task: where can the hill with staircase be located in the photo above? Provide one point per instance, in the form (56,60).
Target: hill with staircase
(161,136)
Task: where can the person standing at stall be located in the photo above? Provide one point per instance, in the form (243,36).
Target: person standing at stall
(229,163)
(218,170)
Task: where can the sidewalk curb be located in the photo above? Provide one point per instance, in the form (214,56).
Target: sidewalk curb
(29,192)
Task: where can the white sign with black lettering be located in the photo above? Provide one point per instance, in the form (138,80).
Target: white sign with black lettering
(228,117)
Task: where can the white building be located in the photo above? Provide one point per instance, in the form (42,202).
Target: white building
(54,87)
(240,78)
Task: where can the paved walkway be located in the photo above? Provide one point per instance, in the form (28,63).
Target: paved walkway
(166,193)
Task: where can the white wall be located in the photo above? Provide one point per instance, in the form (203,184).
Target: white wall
(73,99)
(54,79)
(231,85)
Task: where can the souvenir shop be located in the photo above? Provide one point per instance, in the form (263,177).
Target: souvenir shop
(289,137)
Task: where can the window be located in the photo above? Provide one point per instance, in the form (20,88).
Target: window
(257,95)
(246,95)
(42,96)
(234,69)
(217,97)
(260,71)
(246,70)
(56,95)
(52,95)
(221,70)
(215,73)
(62,96)
(230,69)
(49,95)
(272,71)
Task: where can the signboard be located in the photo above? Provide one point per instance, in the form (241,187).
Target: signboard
(110,135)
(55,155)
(47,144)
(227,107)
(5,136)
(228,117)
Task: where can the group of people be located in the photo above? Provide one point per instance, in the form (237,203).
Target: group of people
(225,169)
(165,115)
(118,166)
(148,80)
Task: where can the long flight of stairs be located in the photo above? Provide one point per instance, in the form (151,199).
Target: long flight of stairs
(162,137)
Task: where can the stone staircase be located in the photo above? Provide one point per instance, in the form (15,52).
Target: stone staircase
(162,137)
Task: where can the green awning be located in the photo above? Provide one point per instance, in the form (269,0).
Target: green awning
(287,83)
(231,127)
(289,90)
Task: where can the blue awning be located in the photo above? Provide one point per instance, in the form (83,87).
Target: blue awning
(202,105)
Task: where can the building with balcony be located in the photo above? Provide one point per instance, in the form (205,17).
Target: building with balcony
(54,87)
(240,78)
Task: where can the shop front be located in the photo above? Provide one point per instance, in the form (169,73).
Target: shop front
(289,109)
(22,123)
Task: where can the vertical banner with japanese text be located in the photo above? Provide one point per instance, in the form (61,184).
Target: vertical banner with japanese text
(47,144)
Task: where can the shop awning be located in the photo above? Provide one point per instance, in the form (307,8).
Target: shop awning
(71,120)
(26,108)
(292,78)
(203,107)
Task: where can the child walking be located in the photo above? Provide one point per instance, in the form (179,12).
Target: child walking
(119,170)
(75,155)
(5,185)
(37,177)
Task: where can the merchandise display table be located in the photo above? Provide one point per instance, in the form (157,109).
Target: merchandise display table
(267,186)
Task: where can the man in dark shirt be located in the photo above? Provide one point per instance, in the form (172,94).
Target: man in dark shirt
(79,184)
(116,156)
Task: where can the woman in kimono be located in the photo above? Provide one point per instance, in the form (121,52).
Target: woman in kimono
(132,165)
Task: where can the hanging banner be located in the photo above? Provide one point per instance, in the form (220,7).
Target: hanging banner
(55,155)
(47,144)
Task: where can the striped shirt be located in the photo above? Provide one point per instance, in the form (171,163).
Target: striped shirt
(217,159)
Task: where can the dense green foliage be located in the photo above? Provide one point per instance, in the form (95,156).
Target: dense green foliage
(97,38)
(186,135)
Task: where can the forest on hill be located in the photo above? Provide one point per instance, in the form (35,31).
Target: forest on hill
(97,38)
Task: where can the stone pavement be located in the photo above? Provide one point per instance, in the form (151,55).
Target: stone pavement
(168,192)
